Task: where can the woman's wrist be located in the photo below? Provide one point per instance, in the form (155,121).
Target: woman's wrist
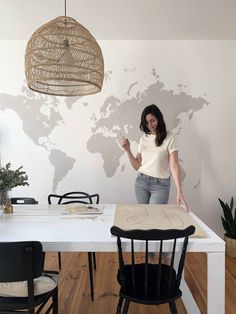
(179,191)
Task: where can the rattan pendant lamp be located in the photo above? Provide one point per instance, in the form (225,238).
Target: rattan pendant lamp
(62,58)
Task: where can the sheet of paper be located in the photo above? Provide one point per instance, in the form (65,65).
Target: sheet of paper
(82,210)
(146,217)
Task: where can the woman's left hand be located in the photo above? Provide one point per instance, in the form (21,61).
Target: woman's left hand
(181,200)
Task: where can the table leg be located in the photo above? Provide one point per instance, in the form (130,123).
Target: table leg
(216,283)
(187,298)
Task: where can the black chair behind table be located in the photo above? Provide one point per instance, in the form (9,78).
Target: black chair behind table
(23,261)
(147,283)
(79,198)
(23,201)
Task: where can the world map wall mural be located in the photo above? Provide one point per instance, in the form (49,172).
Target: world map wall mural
(117,117)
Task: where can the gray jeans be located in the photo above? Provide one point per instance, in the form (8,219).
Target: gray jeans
(150,190)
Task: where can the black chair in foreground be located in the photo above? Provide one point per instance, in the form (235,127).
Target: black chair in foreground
(20,264)
(147,283)
(23,201)
(78,198)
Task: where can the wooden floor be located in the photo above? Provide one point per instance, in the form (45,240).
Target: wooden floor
(74,291)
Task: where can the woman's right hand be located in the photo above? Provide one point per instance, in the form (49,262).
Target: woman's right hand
(181,200)
(125,144)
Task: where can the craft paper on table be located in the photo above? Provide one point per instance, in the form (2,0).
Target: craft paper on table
(82,210)
(142,216)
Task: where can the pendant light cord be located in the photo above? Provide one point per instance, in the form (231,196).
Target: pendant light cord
(65,8)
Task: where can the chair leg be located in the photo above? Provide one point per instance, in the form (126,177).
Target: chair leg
(55,301)
(94,261)
(119,305)
(31,311)
(126,307)
(59,260)
(91,274)
(173,308)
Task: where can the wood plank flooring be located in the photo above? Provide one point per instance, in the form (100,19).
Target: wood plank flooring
(74,288)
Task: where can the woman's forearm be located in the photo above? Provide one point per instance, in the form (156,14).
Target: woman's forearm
(133,160)
(175,171)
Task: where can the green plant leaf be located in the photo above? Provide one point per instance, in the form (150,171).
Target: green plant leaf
(229,219)
(231,203)
(224,225)
(228,213)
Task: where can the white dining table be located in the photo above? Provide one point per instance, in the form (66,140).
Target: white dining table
(59,231)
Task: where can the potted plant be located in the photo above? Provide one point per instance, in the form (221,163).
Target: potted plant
(9,179)
(229,224)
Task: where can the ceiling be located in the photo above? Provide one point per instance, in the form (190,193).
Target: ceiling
(125,19)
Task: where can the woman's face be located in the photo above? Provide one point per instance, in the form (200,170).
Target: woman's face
(151,122)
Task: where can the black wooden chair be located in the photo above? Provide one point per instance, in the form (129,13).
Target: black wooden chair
(79,198)
(23,261)
(74,197)
(23,201)
(148,283)
(28,201)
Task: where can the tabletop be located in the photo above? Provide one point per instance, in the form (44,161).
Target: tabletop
(58,231)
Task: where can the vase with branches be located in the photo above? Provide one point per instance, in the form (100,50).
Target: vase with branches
(9,179)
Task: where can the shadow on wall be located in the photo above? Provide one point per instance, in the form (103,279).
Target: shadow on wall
(212,187)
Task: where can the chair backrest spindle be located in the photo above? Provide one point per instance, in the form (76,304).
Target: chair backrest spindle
(121,262)
(146,269)
(171,270)
(159,270)
(133,266)
(29,270)
(181,262)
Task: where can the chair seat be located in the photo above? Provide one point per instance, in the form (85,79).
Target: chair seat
(19,303)
(151,297)
(43,284)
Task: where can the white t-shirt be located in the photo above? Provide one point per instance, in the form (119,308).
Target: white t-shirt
(155,159)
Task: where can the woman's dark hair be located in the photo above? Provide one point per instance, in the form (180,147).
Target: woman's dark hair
(161,126)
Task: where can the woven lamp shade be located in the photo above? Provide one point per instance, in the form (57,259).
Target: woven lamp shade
(62,58)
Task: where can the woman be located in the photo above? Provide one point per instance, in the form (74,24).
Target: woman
(157,156)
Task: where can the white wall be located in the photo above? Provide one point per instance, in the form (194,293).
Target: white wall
(193,82)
